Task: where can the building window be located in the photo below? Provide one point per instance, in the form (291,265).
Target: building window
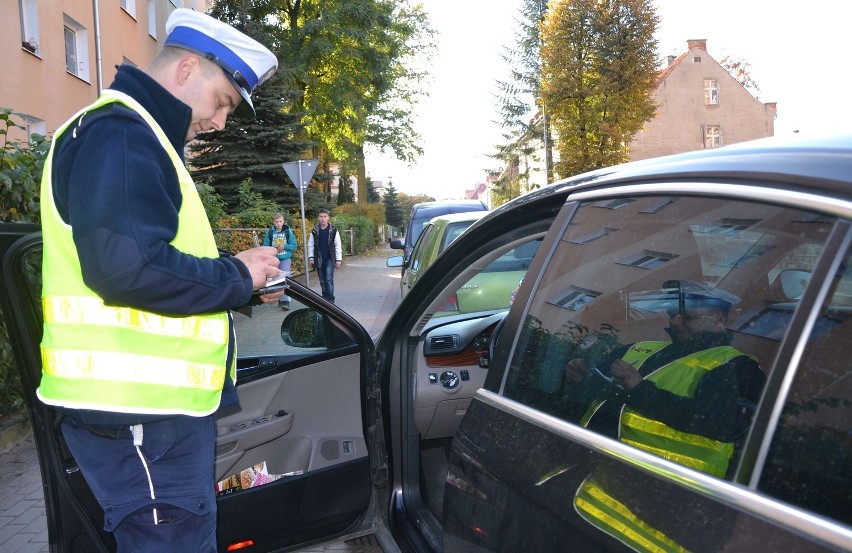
(591,236)
(712,136)
(657,206)
(152,18)
(129,6)
(29,26)
(573,298)
(35,126)
(614,204)
(711,92)
(648,259)
(727,227)
(76,49)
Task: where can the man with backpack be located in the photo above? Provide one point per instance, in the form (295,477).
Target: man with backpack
(282,238)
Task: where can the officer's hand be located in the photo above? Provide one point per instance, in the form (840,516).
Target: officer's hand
(261,263)
(337,264)
(272,297)
(576,370)
(625,374)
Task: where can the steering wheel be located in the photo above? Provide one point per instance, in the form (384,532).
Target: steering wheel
(492,345)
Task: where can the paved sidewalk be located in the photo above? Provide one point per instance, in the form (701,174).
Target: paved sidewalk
(364,287)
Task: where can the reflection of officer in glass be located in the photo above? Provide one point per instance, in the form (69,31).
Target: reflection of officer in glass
(688,400)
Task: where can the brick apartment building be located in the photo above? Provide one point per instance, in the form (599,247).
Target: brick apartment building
(59,55)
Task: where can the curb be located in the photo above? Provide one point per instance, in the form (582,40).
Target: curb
(13,431)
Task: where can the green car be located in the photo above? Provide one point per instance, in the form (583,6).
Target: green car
(436,235)
(491,289)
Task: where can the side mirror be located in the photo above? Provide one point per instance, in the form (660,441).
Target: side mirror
(303,328)
(395,261)
(397,244)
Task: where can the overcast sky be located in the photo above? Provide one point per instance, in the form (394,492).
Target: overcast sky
(797,54)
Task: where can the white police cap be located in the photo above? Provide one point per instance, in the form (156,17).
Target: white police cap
(246,62)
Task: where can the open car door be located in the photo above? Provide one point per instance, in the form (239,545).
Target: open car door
(300,422)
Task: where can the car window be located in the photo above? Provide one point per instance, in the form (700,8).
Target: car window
(810,460)
(452,232)
(420,249)
(643,325)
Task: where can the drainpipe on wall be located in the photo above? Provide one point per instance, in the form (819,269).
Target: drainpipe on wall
(98,60)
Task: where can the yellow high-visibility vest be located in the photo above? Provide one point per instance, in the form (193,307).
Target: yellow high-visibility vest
(121,359)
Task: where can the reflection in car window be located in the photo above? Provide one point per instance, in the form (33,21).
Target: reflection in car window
(810,460)
(642,328)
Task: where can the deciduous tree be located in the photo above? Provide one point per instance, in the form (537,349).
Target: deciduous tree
(598,69)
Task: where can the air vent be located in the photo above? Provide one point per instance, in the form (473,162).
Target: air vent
(440,343)
(422,324)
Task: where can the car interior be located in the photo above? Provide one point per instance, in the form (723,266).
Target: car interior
(450,357)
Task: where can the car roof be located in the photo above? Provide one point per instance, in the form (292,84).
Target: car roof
(819,164)
(459,217)
(427,210)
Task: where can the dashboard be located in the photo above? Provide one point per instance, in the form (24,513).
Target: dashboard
(451,364)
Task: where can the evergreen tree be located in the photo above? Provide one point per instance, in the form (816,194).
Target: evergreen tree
(372,196)
(252,149)
(393,211)
(599,70)
(519,98)
(345,194)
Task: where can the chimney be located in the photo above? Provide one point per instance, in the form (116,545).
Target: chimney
(697,44)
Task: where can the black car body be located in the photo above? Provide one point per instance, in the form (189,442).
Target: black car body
(461,434)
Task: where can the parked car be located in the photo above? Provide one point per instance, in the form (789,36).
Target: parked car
(463,433)
(492,288)
(423,212)
(435,236)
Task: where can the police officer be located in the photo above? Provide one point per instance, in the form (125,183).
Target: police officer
(138,346)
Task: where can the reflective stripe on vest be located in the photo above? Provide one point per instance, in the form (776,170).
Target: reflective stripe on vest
(608,514)
(122,359)
(681,377)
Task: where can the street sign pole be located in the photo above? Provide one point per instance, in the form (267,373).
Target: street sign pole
(300,179)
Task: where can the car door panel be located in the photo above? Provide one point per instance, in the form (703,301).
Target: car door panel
(300,412)
(279,414)
(494,505)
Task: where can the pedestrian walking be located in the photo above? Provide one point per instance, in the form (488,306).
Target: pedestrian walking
(282,238)
(138,345)
(325,253)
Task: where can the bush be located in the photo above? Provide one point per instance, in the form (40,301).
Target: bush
(363,233)
(20,173)
(21,164)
